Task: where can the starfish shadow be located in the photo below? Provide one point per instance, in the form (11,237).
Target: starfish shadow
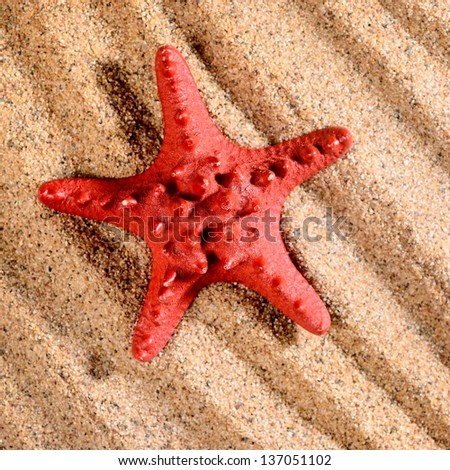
(126,270)
(135,120)
(263,312)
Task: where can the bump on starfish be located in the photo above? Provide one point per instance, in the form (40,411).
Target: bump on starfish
(194,201)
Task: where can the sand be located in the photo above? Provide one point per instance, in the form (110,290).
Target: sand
(80,100)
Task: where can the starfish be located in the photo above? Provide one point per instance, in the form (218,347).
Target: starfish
(205,208)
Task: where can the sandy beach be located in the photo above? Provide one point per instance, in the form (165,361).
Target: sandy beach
(80,99)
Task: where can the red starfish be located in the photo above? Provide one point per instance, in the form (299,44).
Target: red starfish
(204,208)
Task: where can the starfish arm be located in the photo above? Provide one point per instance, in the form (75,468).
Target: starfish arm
(167,300)
(284,166)
(273,275)
(104,200)
(186,118)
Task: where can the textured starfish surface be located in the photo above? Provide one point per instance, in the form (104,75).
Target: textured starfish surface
(207,209)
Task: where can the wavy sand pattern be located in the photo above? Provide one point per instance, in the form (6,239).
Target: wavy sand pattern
(80,99)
